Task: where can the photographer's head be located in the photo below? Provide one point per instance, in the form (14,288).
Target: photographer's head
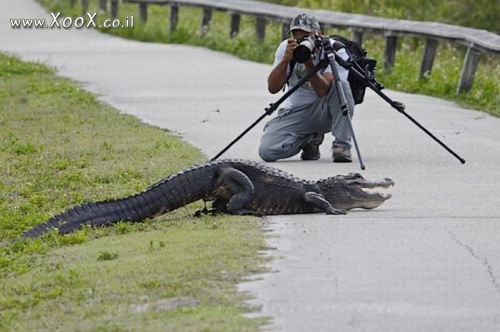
(305,30)
(304,25)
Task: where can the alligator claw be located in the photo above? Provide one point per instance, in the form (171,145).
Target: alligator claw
(335,211)
(200,212)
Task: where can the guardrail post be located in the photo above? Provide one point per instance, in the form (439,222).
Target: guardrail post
(428,57)
(468,71)
(114,9)
(205,20)
(103,5)
(235,25)
(285,26)
(357,36)
(391,43)
(143,11)
(174,16)
(85,6)
(260,28)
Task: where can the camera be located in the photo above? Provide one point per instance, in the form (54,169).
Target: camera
(302,53)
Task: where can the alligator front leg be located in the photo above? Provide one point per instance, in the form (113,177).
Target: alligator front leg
(318,201)
(235,188)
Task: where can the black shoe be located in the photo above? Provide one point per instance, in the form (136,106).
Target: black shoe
(341,154)
(311,150)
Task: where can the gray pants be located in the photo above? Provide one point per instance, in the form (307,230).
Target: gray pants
(286,134)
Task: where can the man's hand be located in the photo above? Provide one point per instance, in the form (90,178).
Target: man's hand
(309,64)
(292,44)
(278,76)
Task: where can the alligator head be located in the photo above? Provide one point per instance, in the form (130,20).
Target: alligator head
(353,191)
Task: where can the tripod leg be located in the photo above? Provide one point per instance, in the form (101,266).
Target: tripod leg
(345,108)
(345,112)
(355,141)
(274,106)
(400,107)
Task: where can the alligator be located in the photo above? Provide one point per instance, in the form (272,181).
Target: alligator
(238,187)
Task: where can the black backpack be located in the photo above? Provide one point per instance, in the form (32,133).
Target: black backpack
(359,63)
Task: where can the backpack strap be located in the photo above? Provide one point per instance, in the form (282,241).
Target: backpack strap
(338,45)
(292,65)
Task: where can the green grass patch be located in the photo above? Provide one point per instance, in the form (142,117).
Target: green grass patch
(59,147)
(443,81)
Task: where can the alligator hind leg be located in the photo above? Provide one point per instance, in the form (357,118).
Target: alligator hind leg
(318,201)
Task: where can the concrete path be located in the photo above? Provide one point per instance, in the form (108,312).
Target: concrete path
(427,260)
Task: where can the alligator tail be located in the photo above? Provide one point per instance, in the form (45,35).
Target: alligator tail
(167,195)
(133,208)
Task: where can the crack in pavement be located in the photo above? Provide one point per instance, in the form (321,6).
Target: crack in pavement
(484,261)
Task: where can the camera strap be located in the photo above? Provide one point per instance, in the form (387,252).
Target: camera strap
(292,65)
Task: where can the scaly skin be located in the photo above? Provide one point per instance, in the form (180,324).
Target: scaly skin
(235,186)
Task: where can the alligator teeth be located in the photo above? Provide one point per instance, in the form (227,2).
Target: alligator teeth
(383,192)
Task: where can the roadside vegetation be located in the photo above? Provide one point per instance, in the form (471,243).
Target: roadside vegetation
(59,146)
(484,96)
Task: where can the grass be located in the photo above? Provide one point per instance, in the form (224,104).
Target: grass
(484,96)
(59,147)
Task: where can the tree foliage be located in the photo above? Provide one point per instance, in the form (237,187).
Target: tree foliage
(479,14)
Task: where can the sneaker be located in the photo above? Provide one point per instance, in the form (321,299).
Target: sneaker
(341,154)
(311,150)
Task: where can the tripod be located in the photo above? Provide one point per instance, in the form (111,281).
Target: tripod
(330,55)
(363,74)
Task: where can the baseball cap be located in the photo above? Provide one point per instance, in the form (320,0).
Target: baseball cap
(306,22)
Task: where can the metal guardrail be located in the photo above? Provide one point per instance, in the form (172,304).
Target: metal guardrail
(477,41)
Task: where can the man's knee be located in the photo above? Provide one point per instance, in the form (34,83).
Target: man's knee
(266,154)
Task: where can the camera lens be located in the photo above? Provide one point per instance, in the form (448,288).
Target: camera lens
(302,53)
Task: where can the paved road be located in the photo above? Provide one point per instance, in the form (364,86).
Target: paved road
(427,260)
